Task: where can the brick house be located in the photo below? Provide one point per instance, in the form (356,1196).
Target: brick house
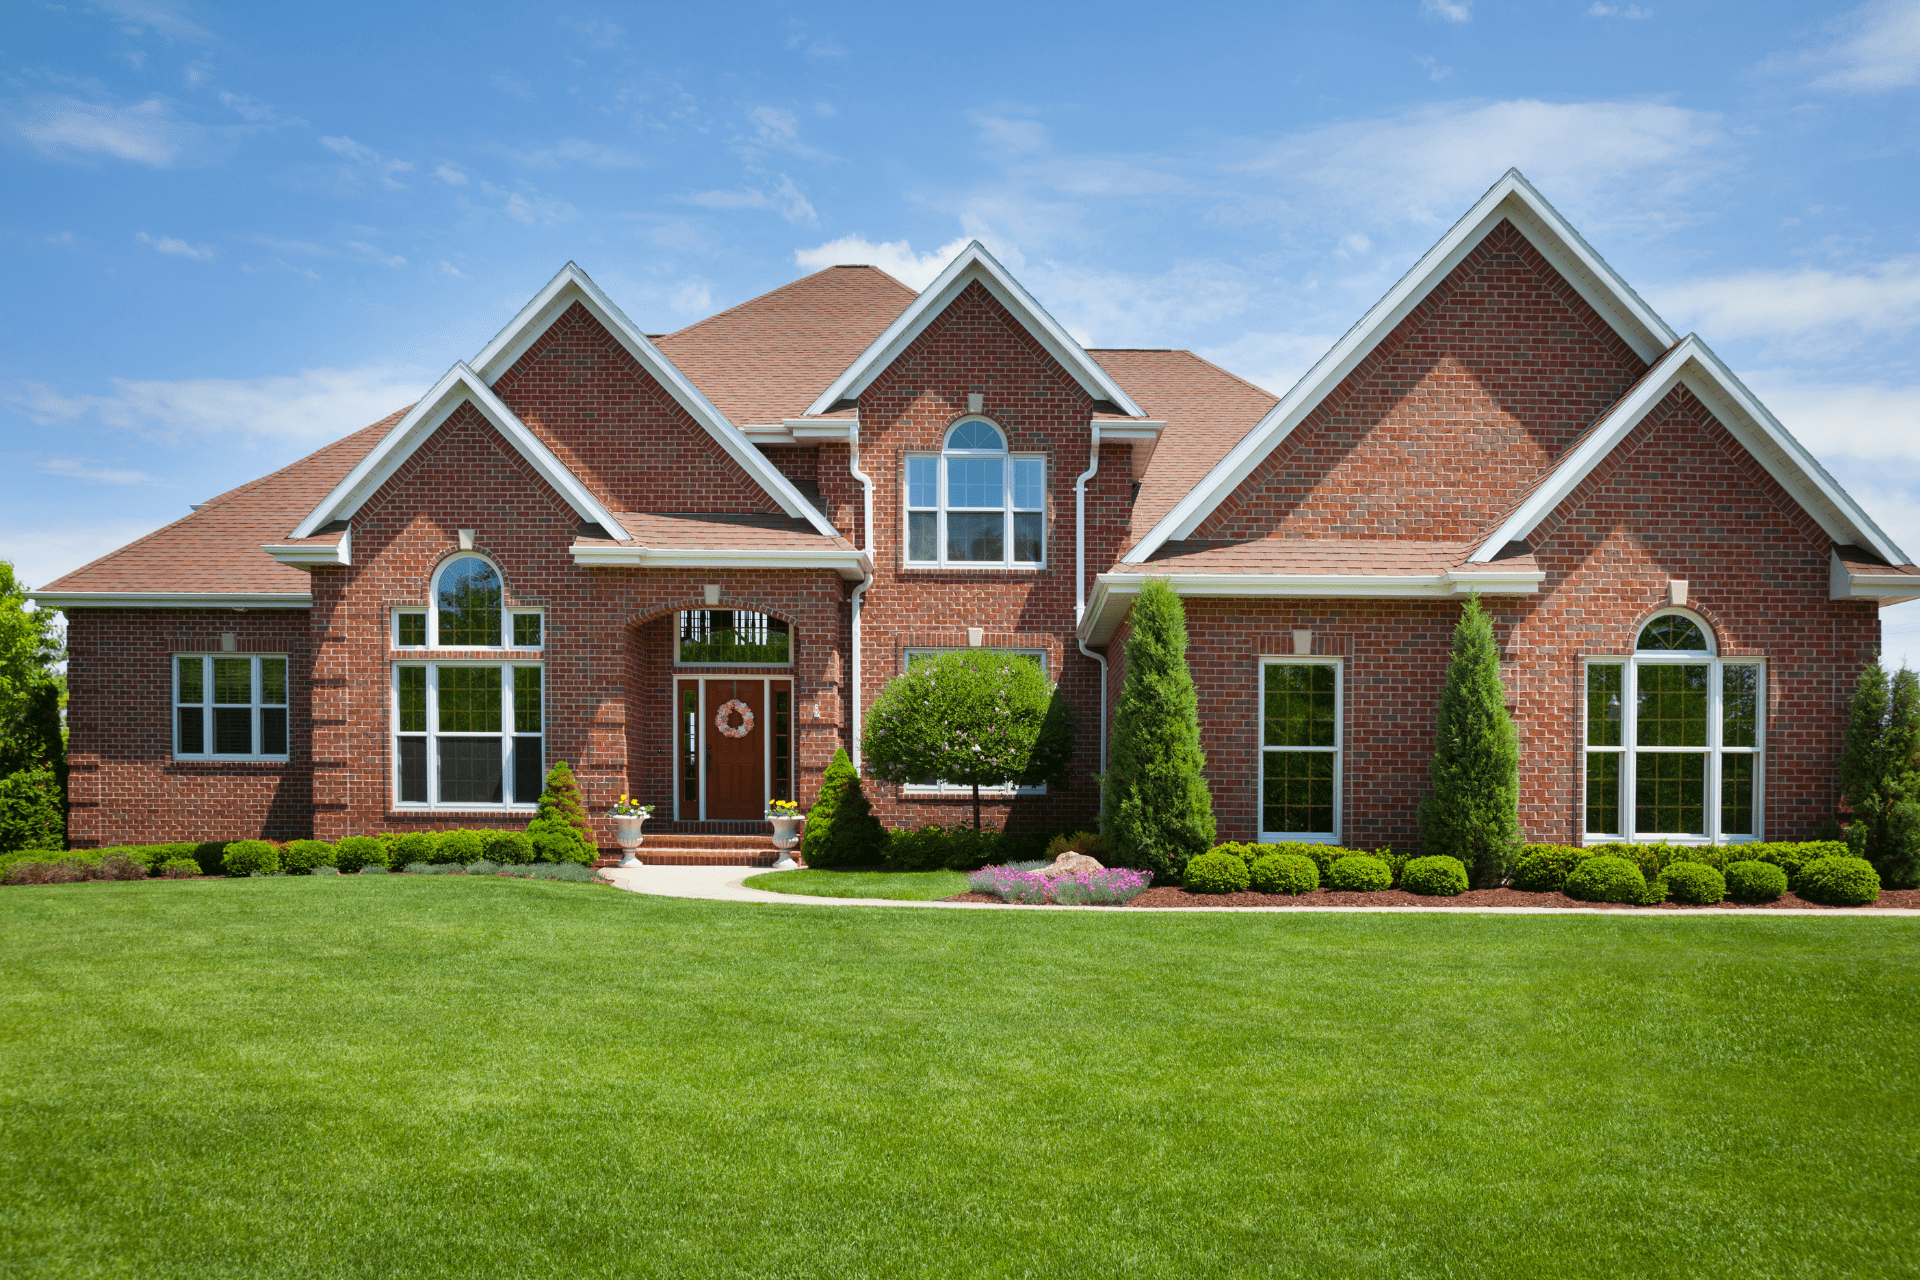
(686,563)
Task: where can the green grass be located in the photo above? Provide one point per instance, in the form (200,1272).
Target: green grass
(426,1076)
(917,886)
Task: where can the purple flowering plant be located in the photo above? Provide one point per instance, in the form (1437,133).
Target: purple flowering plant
(1112,887)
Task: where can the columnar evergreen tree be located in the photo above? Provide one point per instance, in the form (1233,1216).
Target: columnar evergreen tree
(841,830)
(1155,808)
(1880,774)
(560,830)
(1473,811)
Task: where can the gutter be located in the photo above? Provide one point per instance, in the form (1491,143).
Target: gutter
(1080,581)
(866,550)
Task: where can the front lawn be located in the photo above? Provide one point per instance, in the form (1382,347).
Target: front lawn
(428,1076)
(915,886)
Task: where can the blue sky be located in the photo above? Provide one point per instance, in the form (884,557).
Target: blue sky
(236,232)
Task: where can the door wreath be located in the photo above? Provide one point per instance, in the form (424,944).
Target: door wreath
(726,713)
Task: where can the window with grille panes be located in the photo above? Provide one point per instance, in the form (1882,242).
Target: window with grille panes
(468,735)
(465,610)
(1301,713)
(974,504)
(230,707)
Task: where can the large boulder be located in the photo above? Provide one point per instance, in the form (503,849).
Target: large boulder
(1071,864)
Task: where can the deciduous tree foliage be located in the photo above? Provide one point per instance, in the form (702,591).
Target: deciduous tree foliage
(841,830)
(1880,774)
(975,717)
(1473,811)
(33,753)
(1156,811)
(560,830)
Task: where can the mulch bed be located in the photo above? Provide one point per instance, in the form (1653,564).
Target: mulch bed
(1174,896)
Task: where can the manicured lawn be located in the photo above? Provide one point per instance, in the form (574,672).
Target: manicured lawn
(425,1076)
(917,886)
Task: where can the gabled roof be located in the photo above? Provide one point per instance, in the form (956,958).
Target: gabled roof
(459,385)
(765,360)
(1512,199)
(975,264)
(1692,364)
(573,285)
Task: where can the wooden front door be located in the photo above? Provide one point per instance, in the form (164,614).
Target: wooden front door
(735,788)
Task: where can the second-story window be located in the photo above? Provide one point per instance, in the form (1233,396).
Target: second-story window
(975,504)
(466,611)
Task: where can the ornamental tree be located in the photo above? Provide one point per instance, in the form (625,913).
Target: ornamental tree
(1880,774)
(559,830)
(976,717)
(1473,811)
(1156,811)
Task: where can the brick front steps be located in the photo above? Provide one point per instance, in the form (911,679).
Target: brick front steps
(681,848)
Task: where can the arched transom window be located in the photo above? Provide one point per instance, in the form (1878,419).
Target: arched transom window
(1675,739)
(976,504)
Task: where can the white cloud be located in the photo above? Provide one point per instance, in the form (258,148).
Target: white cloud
(139,15)
(169,244)
(46,550)
(895,257)
(383,167)
(598,32)
(1876,423)
(576,151)
(448,269)
(532,207)
(1448,10)
(149,132)
(379,255)
(693,297)
(1435,72)
(1631,12)
(247,107)
(313,405)
(447,173)
(1878,48)
(786,199)
(1272,361)
(1120,309)
(81,469)
(1828,309)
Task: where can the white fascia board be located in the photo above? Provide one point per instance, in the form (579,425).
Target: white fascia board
(573,285)
(308,555)
(1113,593)
(819,428)
(1883,588)
(171,599)
(1512,199)
(1693,364)
(1136,429)
(459,385)
(850,565)
(975,263)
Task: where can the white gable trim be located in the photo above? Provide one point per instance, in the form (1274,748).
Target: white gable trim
(975,263)
(573,285)
(1881,588)
(1512,199)
(1693,364)
(461,385)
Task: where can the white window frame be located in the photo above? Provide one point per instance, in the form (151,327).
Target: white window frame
(1338,750)
(432,610)
(953,788)
(941,508)
(679,661)
(433,735)
(1715,749)
(207,704)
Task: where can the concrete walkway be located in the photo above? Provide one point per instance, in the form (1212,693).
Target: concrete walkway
(726,884)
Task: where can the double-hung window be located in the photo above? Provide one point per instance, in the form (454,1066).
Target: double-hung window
(976,504)
(1300,722)
(229,706)
(1675,739)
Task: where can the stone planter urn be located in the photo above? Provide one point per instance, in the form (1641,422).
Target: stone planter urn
(627,834)
(786,837)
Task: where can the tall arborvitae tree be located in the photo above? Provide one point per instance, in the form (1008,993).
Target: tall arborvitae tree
(1473,811)
(841,830)
(1155,809)
(1880,774)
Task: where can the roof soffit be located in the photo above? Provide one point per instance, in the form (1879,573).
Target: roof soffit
(973,264)
(1511,199)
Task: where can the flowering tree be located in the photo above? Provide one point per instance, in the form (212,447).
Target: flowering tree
(975,717)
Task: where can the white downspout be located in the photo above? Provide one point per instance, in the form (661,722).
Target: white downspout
(866,545)
(1080,582)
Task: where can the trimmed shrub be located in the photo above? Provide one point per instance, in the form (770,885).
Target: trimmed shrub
(1695,883)
(1435,877)
(251,857)
(1288,873)
(178,869)
(410,847)
(560,830)
(841,830)
(1322,856)
(1606,879)
(1750,881)
(1794,858)
(959,848)
(158,855)
(212,857)
(1216,873)
(303,857)
(510,848)
(460,846)
(356,852)
(1840,882)
(1360,873)
(1543,867)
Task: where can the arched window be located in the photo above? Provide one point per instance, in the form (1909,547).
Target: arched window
(974,503)
(465,610)
(1674,739)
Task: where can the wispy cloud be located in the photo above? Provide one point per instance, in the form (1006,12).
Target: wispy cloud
(601,33)
(47,549)
(1631,12)
(247,107)
(799,38)
(1435,72)
(786,199)
(1873,48)
(382,167)
(1815,309)
(450,174)
(529,206)
(178,247)
(895,257)
(82,469)
(600,155)
(149,133)
(1874,422)
(1448,10)
(138,16)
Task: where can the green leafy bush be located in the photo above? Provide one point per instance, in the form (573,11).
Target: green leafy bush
(510,848)
(33,812)
(178,869)
(560,830)
(1840,882)
(1438,876)
(1323,856)
(212,856)
(302,857)
(1750,881)
(841,830)
(1216,873)
(409,847)
(1155,807)
(356,852)
(1543,867)
(1794,858)
(1695,883)
(1880,774)
(1288,873)
(1360,873)
(960,848)
(1606,879)
(460,846)
(251,857)
(117,864)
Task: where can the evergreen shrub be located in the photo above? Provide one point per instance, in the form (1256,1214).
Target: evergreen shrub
(1473,810)
(251,857)
(1155,807)
(460,846)
(1840,882)
(560,831)
(1436,876)
(1288,873)
(958,848)
(841,830)
(212,856)
(1695,883)
(1606,879)
(303,857)
(1880,774)
(1543,868)
(510,848)
(33,812)
(178,869)
(1360,873)
(355,852)
(409,847)
(1750,881)
(1216,873)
